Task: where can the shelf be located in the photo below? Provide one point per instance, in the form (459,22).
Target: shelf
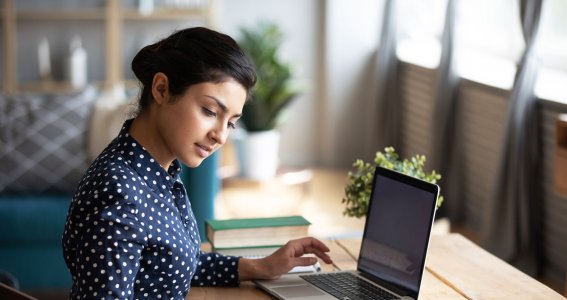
(45,87)
(130,15)
(113,14)
(81,15)
(52,86)
(165,14)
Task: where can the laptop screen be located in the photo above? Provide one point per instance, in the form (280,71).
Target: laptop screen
(398,225)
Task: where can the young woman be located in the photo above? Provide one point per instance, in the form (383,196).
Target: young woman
(130,232)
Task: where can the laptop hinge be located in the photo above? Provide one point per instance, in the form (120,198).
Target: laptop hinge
(388,285)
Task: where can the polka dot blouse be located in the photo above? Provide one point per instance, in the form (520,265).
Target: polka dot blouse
(130,232)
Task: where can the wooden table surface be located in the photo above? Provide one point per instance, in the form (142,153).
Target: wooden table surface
(456,268)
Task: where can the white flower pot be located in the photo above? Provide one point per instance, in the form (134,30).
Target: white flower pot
(258,153)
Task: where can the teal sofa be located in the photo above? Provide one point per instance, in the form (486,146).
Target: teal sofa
(30,240)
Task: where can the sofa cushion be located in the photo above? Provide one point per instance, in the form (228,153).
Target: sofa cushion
(108,115)
(43,141)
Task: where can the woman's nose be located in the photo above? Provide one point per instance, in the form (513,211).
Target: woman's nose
(219,134)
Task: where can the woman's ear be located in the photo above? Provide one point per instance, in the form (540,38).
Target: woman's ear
(160,88)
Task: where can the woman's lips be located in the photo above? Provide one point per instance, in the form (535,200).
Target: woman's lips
(203,151)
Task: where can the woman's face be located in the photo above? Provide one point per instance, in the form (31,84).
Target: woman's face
(198,123)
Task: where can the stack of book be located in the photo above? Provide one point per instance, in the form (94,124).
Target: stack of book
(254,237)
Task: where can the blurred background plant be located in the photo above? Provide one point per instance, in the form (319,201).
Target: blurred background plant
(359,183)
(275,88)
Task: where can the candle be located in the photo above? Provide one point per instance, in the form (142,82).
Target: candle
(44,59)
(77,63)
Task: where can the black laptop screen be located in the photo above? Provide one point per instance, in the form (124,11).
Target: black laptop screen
(397,230)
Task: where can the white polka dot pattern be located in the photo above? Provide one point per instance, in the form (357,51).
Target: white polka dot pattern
(130,232)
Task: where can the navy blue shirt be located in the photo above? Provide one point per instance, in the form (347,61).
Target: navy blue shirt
(130,232)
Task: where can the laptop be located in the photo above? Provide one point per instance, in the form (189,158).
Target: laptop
(393,251)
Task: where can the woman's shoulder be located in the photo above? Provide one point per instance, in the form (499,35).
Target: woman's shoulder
(110,175)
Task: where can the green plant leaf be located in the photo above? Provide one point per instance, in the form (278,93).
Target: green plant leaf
(359,183)
(274,90)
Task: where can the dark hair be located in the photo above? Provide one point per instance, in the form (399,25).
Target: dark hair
(191,56)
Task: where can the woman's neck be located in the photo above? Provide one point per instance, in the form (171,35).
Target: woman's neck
(145,132)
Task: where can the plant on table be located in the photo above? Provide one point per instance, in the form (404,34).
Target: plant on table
(359,183)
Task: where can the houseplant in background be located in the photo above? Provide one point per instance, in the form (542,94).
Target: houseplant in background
(359,183)
(257,146)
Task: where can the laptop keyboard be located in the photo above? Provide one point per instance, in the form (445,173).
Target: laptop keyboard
(347,286)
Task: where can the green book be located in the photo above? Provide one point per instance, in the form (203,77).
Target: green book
(250,252)
(257,222)
(255,232)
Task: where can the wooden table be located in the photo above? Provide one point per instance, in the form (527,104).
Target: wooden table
(456,268)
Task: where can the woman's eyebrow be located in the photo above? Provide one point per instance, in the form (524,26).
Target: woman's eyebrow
(222,106)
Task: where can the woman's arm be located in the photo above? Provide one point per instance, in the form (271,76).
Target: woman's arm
(284,259)
(108,254)
(214,269)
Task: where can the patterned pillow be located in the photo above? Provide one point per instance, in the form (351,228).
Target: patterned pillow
(43,141)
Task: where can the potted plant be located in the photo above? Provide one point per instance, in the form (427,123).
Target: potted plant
(257,147)
(359,183)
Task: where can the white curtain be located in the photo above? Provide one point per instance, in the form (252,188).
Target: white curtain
(388,103)
(445,158)
(513,226)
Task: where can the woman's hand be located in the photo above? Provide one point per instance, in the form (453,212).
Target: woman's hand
(284,259)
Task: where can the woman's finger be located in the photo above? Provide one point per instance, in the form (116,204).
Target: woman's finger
(312,242)
(303,261)
(322,255)
(310,245)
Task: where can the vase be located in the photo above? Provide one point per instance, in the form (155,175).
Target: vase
(257,153)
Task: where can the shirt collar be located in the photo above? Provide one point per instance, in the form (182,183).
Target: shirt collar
(140,160)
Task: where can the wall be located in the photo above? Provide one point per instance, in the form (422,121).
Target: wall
(347,111)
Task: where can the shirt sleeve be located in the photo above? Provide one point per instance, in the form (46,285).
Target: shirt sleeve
(111,253)
(214,269)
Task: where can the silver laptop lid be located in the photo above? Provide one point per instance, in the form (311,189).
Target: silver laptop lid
(397,231)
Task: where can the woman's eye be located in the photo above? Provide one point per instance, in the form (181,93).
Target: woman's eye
(209,112)
(231,125)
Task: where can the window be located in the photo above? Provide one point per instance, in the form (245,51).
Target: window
(489,41)
(420,26)
(553,35)
(552,49)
